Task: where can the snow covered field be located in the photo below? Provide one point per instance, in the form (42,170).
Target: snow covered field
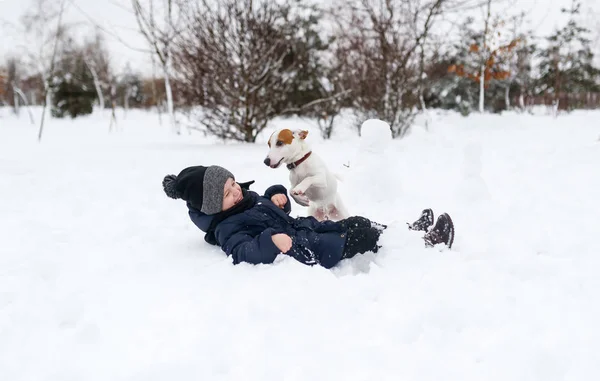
(102,277)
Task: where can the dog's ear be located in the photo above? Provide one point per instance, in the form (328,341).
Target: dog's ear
(302,134)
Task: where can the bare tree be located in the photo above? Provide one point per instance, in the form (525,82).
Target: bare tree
(378,42)
(155,99)
(486,54)
(489,45)
(44,30)
(336,97)
(50,72)
(113,80)
(161,38)
(97,60)
(11,83)
(518,62)
(422,28)
(13,79)
(242,63)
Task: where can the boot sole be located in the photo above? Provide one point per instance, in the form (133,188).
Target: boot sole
(430,222)
(451,233)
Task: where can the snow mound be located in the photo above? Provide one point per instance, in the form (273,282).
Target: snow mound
(375,135)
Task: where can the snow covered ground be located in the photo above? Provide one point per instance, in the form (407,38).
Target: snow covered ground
(102,277)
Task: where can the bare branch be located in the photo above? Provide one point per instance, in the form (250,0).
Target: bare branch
(161,40)
(316,102)
(52,65)
(105,30)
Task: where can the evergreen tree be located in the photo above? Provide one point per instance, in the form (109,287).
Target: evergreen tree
(317,91)
(303,61)
(567,64)
(72,87)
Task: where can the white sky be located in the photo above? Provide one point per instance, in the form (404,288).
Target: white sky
(117,17)
(113,15)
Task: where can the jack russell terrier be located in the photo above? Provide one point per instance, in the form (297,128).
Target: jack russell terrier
(313,185)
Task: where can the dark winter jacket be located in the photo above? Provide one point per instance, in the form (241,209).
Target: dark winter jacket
(247,236)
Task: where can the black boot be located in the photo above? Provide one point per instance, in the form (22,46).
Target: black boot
(442,232)
(424,222)
(361,240)
(355,222)
(378,226)
(360,222)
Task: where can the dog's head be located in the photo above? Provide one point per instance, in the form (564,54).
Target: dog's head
(284,146)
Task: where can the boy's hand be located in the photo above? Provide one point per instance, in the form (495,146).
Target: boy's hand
(282,241)
(279,200)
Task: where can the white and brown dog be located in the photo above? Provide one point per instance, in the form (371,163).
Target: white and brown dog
(313,185)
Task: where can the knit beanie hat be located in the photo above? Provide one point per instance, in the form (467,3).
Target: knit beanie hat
(201,186)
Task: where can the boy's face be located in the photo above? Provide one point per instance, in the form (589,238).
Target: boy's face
(232,194)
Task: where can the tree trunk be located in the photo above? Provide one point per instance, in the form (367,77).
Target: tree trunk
(482,89)
(521,101)
(167,72)
(20,93)
(47,101)
(97,85)
(167,66)
(113,101)
(126,99)
(15,102)
(482,74)
(155,92)
(506,96)
(50,74)
(326,125)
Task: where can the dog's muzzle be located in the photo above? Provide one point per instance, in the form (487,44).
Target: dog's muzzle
(269,162)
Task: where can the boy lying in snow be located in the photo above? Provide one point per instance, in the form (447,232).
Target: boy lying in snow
(255,229)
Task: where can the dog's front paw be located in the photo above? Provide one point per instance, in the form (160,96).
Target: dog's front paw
(298,191)
(300,199)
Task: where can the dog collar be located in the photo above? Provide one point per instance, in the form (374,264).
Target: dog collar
(293,165)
